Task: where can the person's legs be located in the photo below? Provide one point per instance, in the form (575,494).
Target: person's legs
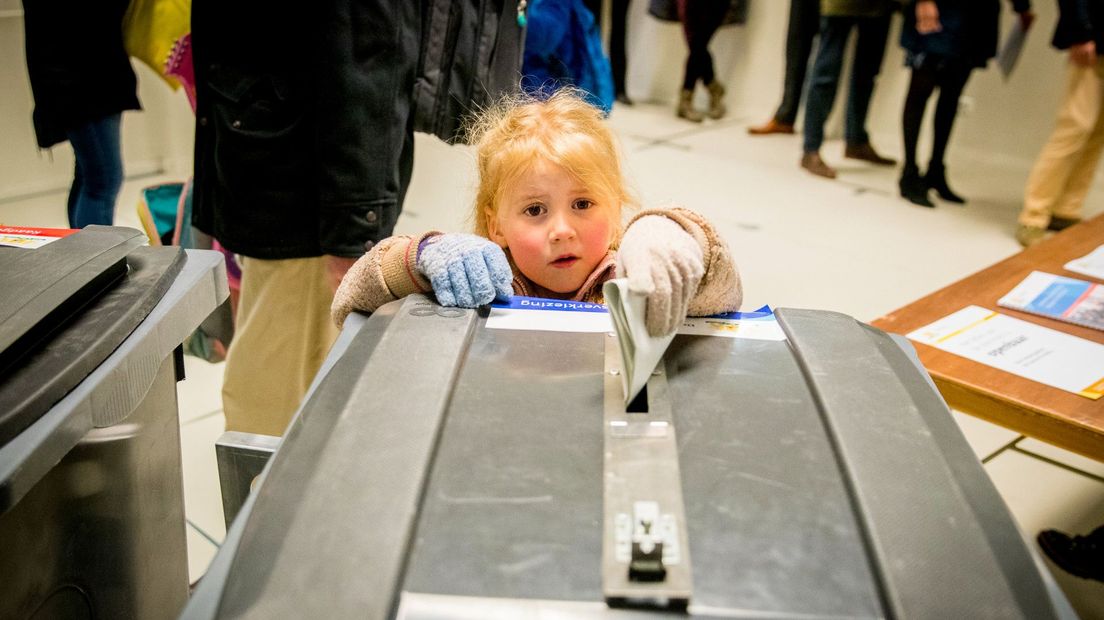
(952,81)
(1068,205)
(921,86)
(74,192)
(1078,117)
(282,335)
(803,27)
(618,60)
(825,79)
(869,52)
(99,173)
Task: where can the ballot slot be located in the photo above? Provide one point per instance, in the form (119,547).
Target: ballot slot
(644,558)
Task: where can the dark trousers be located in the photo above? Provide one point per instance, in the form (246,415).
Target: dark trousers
(618,60)
(869,51)
(700,21)
(803,27)
(950,78)
(98,174)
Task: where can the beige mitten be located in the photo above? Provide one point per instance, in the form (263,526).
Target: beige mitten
(664,262)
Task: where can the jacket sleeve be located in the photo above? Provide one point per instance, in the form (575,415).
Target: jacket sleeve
(366,62)
(384,274)
(720,289)
(1074,21)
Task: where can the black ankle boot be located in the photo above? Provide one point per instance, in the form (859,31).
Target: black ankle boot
(936,178)
(1082,556)
(913,188)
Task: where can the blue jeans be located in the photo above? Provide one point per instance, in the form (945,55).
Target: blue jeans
(99,172)
(869,51)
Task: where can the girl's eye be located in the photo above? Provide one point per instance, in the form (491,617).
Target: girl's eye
(582,204)
(533,210)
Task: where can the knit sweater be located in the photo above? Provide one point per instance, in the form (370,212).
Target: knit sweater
(387,272)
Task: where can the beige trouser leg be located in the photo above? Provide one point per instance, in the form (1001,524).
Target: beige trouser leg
(283,333)
(1064,170)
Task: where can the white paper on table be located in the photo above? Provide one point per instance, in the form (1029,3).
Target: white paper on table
(1011,50)
(1021,348)
(1091,264)
(640,352)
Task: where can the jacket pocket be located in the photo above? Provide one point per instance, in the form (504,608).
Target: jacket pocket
(261,139)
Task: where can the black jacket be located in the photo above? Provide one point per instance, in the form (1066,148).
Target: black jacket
(1079,21)
(305,114)
(78,68)
(970,30)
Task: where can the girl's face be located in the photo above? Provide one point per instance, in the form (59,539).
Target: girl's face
(557,232)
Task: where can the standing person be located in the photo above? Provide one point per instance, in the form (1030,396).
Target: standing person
(1064,170)
(563,47)
(838,19)
(619,11)
(304,151)
(944,41)
(803,27)
(297,166)
(700,21)
(82,82)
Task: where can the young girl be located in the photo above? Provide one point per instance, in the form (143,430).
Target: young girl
(547,218)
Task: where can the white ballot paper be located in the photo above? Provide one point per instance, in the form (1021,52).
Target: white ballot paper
(1091,264)
(1011,50)
(640,352)
(1021,348)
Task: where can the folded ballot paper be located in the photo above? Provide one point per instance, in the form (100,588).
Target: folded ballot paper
(640,352)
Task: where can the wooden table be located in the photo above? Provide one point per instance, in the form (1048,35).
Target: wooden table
(1062,418)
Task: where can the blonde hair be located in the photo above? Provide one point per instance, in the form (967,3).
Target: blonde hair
(563,129)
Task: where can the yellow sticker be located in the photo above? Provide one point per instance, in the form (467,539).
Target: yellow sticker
(1094,391)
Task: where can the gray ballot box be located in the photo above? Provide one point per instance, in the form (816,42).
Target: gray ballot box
(91,497)
(443,469)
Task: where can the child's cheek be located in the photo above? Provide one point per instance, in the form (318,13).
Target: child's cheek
(528,252)
(597,238)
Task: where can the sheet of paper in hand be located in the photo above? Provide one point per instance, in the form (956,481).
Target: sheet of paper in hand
(640,353)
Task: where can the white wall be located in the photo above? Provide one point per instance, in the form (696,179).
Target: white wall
(1007,120)
(999,120)
(155,140)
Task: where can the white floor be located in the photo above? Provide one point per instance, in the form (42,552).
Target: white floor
(849,245)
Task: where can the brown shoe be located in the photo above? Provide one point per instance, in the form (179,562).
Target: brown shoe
(771,126)
(813,163)
(1030,235)
(866,152)
(1058,224)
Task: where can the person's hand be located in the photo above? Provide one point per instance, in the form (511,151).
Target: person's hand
(927,17)
(1083,54)
(665,263)
(1026,19)
(465,270)
(336,268)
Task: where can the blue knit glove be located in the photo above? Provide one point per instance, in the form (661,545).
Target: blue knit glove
(465,270)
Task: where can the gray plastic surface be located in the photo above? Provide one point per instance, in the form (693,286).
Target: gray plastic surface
(117,385)
(822,477)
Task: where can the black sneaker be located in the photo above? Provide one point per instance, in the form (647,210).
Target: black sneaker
(1082,556)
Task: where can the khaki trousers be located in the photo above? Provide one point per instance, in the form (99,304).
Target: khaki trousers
(283,333)
(1064,171)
